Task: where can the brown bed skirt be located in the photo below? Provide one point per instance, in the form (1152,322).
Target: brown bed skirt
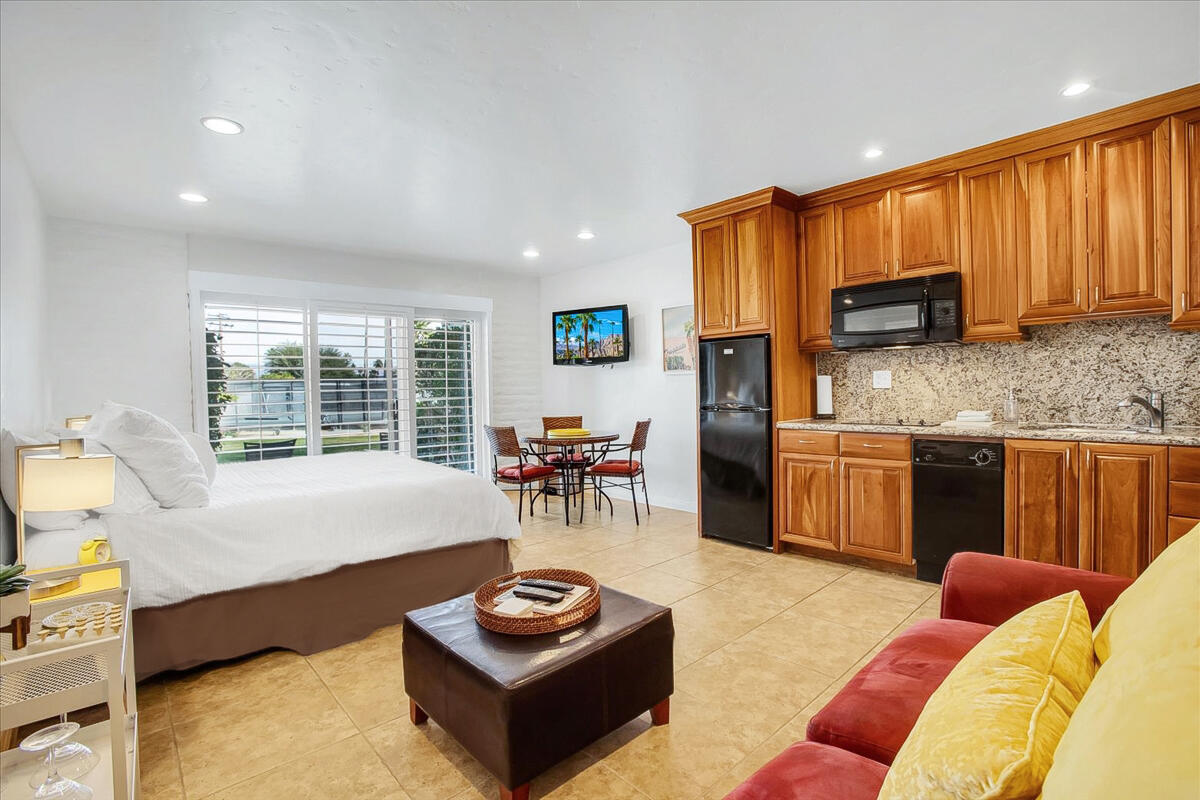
(310,614)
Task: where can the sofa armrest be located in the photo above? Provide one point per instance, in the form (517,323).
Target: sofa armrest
(991,589)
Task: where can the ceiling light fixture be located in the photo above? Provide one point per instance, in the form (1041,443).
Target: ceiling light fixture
(585,234)
(872,152)
(1075,89)
(192,197)
(222,125)
(530,252)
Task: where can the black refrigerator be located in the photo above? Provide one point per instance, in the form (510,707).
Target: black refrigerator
(735,440)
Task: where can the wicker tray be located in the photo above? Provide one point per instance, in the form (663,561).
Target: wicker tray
(540,623)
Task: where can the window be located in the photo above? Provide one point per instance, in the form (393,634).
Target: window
(293,378)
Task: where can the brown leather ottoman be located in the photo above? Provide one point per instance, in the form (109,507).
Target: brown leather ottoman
(521,704)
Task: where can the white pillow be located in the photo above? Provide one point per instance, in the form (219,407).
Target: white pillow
(41,520)
(204,452)
(130,495)
(155,450)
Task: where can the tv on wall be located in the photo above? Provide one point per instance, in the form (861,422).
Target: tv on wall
(591,335)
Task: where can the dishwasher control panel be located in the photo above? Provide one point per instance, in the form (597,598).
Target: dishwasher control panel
(950,453)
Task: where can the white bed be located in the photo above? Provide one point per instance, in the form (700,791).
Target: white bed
(281,520)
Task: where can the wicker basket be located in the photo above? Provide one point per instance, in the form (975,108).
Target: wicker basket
(486,616)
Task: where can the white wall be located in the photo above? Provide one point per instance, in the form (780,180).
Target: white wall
(24,398)
(613,398)
(122,325)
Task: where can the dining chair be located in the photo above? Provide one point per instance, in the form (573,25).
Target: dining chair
(578,457)
(504,444)
(623,472)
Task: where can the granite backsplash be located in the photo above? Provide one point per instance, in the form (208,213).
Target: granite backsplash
(1074,372)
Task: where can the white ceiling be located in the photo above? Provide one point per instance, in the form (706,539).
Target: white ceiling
(466,131)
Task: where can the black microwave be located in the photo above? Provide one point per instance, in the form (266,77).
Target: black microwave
(897,313)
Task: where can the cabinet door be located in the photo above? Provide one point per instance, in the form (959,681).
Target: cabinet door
(1185,220)
(1041,501)
(862,239)
(1129,219)
(817,274)
(925,227)
(1051,217)
(1122,507)
(752,271)
(810,500)
(714,277)
(876,509)
(988,252)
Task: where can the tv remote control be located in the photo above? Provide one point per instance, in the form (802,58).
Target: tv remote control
(543,583)
(540,595)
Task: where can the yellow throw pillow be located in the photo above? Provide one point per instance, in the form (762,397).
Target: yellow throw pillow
(1158,613)
(989,731)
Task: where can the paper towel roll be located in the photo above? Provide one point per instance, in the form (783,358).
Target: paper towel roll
(824,395)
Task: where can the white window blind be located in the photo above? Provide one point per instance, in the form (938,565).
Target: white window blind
(443,362)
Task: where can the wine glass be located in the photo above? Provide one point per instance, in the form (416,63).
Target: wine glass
(55,787)
(74,760)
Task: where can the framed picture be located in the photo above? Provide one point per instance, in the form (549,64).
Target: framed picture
(679,339)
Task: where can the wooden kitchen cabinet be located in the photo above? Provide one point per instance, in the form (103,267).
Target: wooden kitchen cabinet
(987,254)
(810,500)
(876,508)
(863,239)
(1051,217)
(1185,220)
(817,274)
(751,271)
(1041,501)
(1129,219)
(714,277)
(925,227)
(1122,506)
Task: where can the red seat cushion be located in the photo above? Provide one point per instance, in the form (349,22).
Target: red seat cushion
(526,472)
(873,714)
(617,467)
(811,771)
(554,458)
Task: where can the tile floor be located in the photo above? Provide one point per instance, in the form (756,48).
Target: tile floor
(762,642)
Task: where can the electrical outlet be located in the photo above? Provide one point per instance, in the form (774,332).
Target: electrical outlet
(881,379)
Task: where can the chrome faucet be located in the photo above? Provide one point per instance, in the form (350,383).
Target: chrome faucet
(1153,406)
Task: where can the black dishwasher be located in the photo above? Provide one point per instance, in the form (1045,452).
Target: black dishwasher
(958,501)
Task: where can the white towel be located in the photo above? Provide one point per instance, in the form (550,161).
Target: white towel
(974,416)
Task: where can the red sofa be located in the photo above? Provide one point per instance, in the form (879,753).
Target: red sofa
(853,739)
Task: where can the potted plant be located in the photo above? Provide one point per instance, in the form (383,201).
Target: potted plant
(14,603)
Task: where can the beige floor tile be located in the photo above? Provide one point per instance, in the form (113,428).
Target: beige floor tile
(154,711)
(606,565)
(779,589)
(856,608)
(229,685)
(656,586)
(348,769)
(159,764)
(428,762)
(366,677)
(707,567)
(653,550)
(812,642)
(893,586)
(720,612)
(694,643)
(811,569)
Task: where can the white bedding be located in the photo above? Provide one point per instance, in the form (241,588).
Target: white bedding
(290,518)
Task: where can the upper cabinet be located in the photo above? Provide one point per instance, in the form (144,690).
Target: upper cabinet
(863,239)
(817,273)
(1129,219)
(987,252)
(1185,219)
(751,271)
(714,275)
(925,227)
(1051,231)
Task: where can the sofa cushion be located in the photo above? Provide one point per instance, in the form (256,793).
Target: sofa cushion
(874,712)
(989,731)
(811,771)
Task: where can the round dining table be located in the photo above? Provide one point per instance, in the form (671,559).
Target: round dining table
(566,465)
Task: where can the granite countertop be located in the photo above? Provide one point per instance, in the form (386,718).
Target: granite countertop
(1174,434)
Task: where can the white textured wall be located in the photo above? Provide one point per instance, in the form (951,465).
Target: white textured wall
(121,321)
(614,398)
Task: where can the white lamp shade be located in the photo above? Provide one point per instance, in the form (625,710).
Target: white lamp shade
(51,483)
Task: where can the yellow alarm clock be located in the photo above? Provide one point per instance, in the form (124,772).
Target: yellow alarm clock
(95,551)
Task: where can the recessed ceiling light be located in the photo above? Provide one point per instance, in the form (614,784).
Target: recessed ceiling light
(585,234)
(1075,89)
(530,252)
(192,197)
(872,152)
(222,125)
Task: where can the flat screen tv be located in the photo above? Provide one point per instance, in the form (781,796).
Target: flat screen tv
(591,335)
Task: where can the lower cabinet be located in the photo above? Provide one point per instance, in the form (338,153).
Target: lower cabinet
(1041,501)
(810,500)
(876,506)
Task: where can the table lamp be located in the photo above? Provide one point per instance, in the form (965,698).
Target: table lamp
(66,480)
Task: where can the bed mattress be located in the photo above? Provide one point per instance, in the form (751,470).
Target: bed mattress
(274,521)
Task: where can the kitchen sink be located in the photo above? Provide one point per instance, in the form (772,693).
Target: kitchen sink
(1085,427)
